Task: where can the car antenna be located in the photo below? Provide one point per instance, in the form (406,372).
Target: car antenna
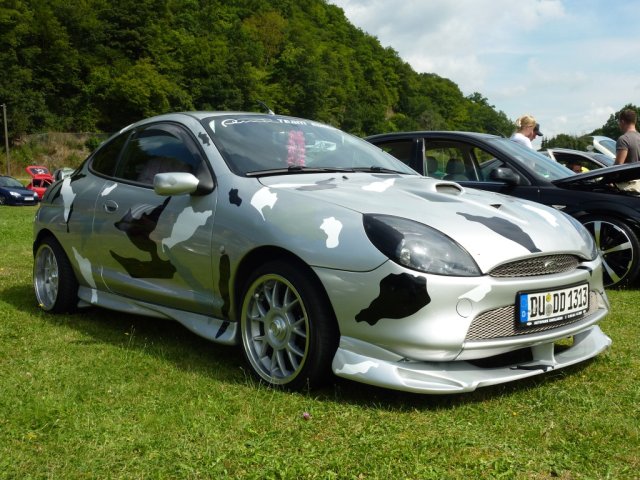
(264,105)
(495,131)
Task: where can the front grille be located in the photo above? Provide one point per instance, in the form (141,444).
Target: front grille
(530,267)
(501,322)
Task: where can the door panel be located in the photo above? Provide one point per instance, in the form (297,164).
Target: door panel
(155,248)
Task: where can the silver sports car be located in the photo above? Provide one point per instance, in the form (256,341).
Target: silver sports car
(317,252)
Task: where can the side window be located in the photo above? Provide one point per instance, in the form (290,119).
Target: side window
(401,149)
(573,162)
(157,149)
(105,159)
(447,161)
(486,163)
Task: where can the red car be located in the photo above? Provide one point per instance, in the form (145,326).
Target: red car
(41,178)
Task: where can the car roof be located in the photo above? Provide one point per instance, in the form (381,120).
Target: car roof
(435,133)
(202,114)
(595,156)
(570,151)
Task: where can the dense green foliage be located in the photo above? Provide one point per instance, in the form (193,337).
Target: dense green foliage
(566,141)
(611,128)
(96,65)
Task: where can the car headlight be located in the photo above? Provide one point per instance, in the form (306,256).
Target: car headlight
(15,194)
(419,247)
(586,236)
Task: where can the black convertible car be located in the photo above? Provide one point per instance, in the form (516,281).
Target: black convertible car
(602,199)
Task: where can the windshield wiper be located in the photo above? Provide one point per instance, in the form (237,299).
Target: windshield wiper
(376,169)
(298,169)
(304,169)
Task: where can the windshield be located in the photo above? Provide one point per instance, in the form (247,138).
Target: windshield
(604,159)
(254,144)
(534,162)
(10,182)
(608,143)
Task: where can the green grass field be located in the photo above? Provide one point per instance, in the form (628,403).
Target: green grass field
(101,394)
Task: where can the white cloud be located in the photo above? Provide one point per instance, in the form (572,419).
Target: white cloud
(570,63)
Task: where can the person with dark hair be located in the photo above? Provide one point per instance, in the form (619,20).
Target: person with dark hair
(536,132)
(628,144)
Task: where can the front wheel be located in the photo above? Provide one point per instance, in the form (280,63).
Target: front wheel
(620,249)
(54,282)
(289,333)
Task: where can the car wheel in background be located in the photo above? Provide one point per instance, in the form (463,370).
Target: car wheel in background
(54,282)
(619,247)
(289,332)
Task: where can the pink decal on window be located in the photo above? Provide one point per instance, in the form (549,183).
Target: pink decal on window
(295,148)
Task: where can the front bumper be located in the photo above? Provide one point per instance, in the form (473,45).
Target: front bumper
(367,363)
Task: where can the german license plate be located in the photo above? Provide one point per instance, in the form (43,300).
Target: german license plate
(538,308)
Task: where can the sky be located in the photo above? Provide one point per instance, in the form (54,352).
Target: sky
(569,63)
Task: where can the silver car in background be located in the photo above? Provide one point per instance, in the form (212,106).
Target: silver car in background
(318,252)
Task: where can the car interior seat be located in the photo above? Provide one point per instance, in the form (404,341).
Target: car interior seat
(161,165)
(455,170)
(432,167)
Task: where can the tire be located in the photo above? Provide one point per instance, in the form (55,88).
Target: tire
(619,247)
(54,282)
(289,333)
(3,201)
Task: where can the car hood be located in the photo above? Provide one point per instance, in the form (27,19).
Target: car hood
(605,175)
(493,228)
(20,190)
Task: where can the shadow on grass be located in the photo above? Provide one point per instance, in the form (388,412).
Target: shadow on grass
(171,341)
(393,400)
(158,337)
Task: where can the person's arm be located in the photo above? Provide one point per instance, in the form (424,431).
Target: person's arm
(621,156)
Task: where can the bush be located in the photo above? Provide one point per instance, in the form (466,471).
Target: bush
(92,143)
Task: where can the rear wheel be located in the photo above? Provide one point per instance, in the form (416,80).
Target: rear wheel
(54,282)
(289,333)
(619,246)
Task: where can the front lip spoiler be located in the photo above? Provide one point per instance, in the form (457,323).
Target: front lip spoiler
(354,360)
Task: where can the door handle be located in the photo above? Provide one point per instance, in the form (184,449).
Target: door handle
(110,206)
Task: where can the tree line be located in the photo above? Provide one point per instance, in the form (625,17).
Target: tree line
(97,65)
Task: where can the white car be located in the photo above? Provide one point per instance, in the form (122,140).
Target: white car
(604,145)
(317,252)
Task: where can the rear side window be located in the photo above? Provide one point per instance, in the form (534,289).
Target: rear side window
(106,157)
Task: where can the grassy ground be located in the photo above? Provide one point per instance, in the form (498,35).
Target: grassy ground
(107,395)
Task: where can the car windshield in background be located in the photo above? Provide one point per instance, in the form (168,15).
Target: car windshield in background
(538,163)
(271,144)
(608,143)
(604,159)
(10,182)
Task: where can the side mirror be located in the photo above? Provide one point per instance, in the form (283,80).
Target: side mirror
(175,183)
(506,175)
